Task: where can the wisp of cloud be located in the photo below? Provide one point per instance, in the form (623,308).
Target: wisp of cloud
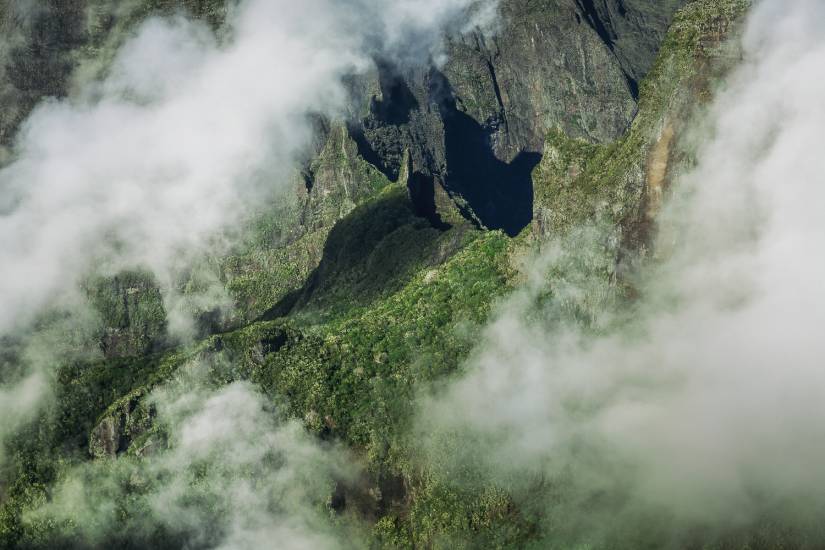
(231,474)
(703,406)
(184,133)
(187,131)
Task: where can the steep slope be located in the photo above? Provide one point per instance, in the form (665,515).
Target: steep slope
(44,42)
(475,128)
(370,285)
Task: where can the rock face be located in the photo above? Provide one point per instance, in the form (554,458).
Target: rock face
(474,129)
(44,41)
(124,423)
(546,67)
(632,30)
(35,55)
(625,183)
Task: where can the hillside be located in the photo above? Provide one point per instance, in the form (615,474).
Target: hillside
(294,375)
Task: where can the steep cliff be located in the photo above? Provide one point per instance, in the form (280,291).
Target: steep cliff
(475,128)
(369,282)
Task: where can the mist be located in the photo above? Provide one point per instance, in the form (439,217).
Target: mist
(187,131)
(221,468)
(700,404)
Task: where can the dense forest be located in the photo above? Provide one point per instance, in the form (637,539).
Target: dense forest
(411,274)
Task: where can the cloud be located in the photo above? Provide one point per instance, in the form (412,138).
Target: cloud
(233,475)
(700,405)
(188,131)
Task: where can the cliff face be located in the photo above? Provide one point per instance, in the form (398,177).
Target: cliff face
(565,64)
(35,56)
(474,128)
(44,42)
(370,281)
(466,135)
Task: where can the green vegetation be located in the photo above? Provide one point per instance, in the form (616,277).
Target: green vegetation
(402,308)
(352,318)
(285,244)
(578,181)
(261,277)
(59,436)
(132,313)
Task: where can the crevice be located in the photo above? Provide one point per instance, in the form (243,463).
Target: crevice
(309,178)
(369,154)
(607,34)
(633,85)
(397,100)
(273,344)
(497,89)
(379,135)
(124,295)
(591,15)
(422,195)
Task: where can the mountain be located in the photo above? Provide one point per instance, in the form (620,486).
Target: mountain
(332,313)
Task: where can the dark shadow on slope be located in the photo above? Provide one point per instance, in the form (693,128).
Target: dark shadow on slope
(370,154)
(422,194)
(379,137)
(594,19)
(498,195)
(371,253)
(397,100)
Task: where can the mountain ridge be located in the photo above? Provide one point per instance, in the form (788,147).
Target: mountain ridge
(370,282)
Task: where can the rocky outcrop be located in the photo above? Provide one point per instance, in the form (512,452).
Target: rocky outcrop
(474,129)
(624,184)
(132,313)
(121,428)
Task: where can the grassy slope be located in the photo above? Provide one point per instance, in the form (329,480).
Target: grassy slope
(352,376)
(393,306)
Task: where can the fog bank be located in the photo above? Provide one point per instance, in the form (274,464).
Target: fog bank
(701,404)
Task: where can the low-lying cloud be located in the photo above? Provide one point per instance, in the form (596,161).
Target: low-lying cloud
(188,131)
(222,469)
(702,405)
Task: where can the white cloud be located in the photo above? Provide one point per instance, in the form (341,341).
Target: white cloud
(185,134)
(704,403)
(233,476)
